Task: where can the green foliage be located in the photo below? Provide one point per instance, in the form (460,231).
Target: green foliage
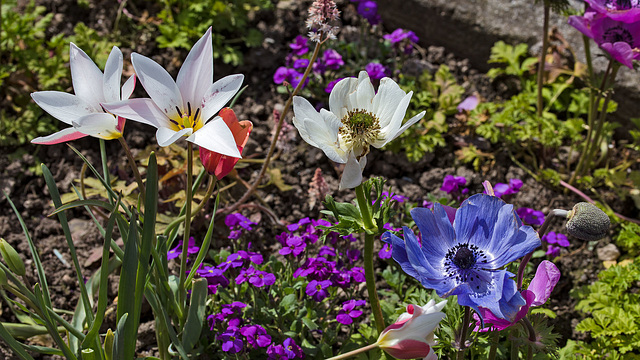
(184,22)
(31,62)
(515,59)
(613,306)
(438,95)
(629,238)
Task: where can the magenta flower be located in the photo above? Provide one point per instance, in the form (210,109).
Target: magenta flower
(368,9)
(502,189)
(399,34)
(231,341)
(385,252)
(253,257)
(552,251)
(375,70)
(299,45)
(530,216)
(540,288)
(255,277)
(626,11)
(348,312)
(317,289)
(295,246)
(331,84)
(468,104)
(556,238)
(176,251)
(233,260)
(620,39)
(292,350)
(453,183)
(256,336)
(332,59)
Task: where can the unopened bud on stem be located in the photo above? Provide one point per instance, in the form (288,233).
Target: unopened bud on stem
(587,222)
(11,257)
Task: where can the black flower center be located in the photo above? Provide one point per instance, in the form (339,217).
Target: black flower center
(620,4)
(461,258)
(464,258)
(618,34)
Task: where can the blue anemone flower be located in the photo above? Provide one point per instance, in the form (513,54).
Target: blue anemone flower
(467,258)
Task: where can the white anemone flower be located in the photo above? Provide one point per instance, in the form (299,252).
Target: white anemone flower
(357,118)
(183,107)
(84,110)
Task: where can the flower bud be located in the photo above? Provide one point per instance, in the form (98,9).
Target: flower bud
(218,164)
(3,278)
(588,222)
(11,257)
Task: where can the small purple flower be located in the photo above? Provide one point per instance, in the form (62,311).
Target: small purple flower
(399,34)
(347,314)
(368,9)
(332,59)
(468,104)
(530,216)
(255,277)
(295,246)
(553,251)
(385,252)
(276,352)
(254,257)
(317,289)
(502,189)
(300,224)
(281,75)
(300,63)
(390,227)
(556,238)
(231,341)
(453,183)
(353,255)
(331,84)
(375,70)
(398,198)
(327,250)
(214,276)
(299,46)
(176,251)
(233,260)
(256,336)
(292,350)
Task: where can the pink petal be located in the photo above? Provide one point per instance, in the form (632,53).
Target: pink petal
(86,77)
(196,74)
(61,136)
(158,84)
(621,51)
(546,278)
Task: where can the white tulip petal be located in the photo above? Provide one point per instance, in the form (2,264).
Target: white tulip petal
(141,110)
(352,174)
(112,75)
(85,76)
(62,106)
(218,94)
(158,84)
(216,136)
(386,100)
(166,136)
(127,88)
(196,74)
(61,136)
(100,125)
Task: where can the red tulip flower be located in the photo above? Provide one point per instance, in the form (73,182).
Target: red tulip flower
(218,164)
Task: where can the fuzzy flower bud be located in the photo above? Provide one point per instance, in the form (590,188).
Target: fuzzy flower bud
(318,188)
(588,222)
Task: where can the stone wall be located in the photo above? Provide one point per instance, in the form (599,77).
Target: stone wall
(468,28)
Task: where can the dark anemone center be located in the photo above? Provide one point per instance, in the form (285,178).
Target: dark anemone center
(618,34)
(464,258)
(620,4)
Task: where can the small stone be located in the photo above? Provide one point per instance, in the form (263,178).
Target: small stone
(608,253)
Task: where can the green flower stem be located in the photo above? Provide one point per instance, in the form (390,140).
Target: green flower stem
(463,333)
(369,271)
(543,56)
(207,196)
(187,227)
(134,167)
(495,340)
(105,166)
(355,352)
(276,134)
(532,336)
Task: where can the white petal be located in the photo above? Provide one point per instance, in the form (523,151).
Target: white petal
(112,75)
(386,100)
(141,110)
(391,131)
(352,175)
(363,96)
(62,106)
(218,94)
(85,76)
(196,74)
(216,136)
(339,97)
(127,88)
(158,84)
(404,127)
(166,136)
(303,111)
(100,125)
(61,136)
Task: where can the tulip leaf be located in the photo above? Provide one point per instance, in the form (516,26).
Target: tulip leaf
(196,316)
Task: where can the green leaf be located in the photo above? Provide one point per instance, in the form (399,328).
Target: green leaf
(310,324)
(196,316)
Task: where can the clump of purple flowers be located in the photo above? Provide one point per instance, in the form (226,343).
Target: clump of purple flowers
(368,9)
(287,350)
(530,216)
(238,223)
(348,312)
(402,40)
(192,248)
(502,189)
(555,242)
(453,184)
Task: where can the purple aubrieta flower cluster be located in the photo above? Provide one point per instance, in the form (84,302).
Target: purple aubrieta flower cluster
(555,241)
(368,9)
(453,184)
(176,251)
(530,216)
(238,223)
(614,25)
(502,189)
(217,275)
(287,350)
(401,39)
(298,60)
(349,311)
(333,265)
(235,340)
